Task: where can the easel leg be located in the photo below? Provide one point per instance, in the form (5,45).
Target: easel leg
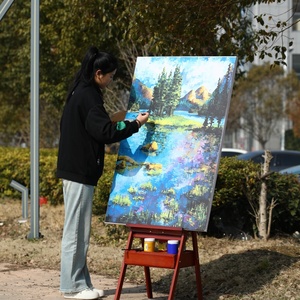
(173,284)
(123,269)
(148,282)
(120,282)
(177,267)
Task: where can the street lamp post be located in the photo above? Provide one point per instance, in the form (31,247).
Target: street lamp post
(34,113)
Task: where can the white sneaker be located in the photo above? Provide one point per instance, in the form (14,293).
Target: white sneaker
(100,292)
(86,294)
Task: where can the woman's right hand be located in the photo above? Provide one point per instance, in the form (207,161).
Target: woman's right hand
(143,117)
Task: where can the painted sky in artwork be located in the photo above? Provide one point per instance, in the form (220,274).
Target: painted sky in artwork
(195,70)
(166,173)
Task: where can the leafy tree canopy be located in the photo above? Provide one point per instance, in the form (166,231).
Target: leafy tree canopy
(127,28)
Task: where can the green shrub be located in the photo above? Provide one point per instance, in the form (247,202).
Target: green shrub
(285,189)
(236,193)
(15,165)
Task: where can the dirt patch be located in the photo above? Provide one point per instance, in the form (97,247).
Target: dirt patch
(230,269)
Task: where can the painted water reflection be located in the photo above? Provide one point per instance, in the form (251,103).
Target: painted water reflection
(175,176)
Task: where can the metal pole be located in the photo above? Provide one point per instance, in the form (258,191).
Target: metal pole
(4,7)
(34,114)
(34,121)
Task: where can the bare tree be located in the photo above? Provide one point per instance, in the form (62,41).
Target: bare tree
(261,209)
(259,97)
(262,220)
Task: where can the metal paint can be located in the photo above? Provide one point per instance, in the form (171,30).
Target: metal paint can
(149,244)
(172,246)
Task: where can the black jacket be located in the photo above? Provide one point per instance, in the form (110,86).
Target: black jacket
(85,128)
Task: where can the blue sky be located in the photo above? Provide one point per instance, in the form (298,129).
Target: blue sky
(195,70)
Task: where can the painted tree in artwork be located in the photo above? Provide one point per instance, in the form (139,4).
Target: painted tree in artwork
(159,94)
(214,109)
(174,91)
(224,97)
(166,93)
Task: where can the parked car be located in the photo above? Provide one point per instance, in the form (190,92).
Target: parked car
(292,170)
(282,159)
(228,152)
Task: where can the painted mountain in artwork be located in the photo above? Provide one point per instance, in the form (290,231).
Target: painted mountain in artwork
(217,99)
(200,101)
(193,99)
(140,95)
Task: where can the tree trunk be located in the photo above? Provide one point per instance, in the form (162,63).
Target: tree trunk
(262,228)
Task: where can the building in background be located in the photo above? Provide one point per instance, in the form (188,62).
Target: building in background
(289,11)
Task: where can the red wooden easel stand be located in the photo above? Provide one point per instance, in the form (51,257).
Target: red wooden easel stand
(184,258)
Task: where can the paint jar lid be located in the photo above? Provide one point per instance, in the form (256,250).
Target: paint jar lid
(149,239)
(173,242)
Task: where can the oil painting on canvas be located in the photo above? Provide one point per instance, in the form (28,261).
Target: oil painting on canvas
(165,174)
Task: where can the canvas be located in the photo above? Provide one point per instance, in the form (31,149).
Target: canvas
(166,173)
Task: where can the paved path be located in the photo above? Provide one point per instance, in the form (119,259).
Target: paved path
(19,283)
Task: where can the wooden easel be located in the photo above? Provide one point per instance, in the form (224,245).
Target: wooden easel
(184,258)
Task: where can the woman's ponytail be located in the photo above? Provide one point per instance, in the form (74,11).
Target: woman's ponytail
(93,60)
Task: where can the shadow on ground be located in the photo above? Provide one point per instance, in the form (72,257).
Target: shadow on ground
(235,274)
